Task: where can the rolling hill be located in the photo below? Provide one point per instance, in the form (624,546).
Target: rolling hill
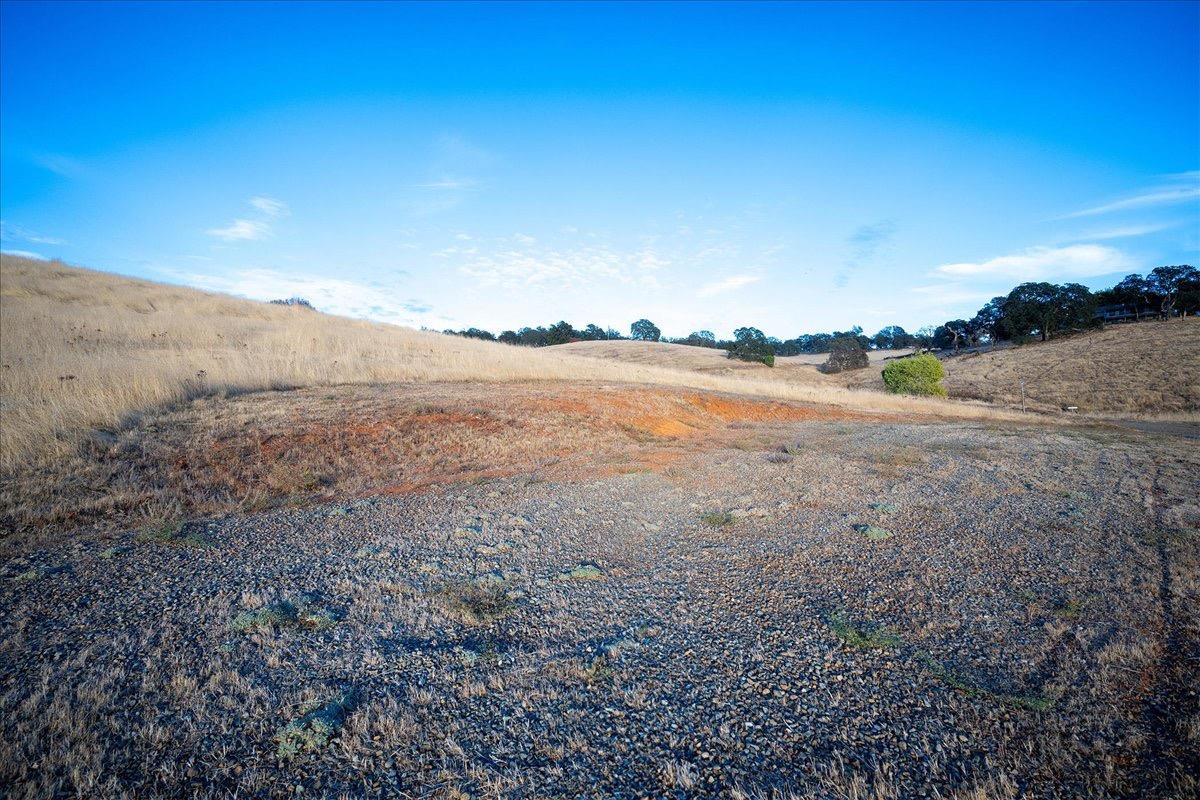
(83,349)
(1145,369)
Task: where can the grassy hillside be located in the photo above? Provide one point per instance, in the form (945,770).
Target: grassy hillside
(84,349)
(1144,368)
(1147,369)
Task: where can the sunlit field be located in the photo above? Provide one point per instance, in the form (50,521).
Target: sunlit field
(84,349)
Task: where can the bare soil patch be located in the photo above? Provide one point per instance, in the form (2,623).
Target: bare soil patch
(251,452)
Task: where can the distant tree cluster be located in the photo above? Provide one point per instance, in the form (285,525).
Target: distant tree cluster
(294,301)
(823,342)
(845,353)
(1043,310)
(750,344)
(1166,290)
(1035,309)
(561,332)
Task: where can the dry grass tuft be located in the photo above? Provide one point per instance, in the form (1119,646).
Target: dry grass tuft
(474,603)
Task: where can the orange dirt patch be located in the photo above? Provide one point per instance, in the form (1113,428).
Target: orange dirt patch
(389,430)
(665,427)
(399,446)
(254,451)
(735,410)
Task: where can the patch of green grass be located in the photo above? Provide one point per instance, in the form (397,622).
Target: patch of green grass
(285,614)
(477,603)
(903,456)
(597,670)
(1157,536)
(313,730)
(963,683)
(32,574)
(873,532)
(1071,608)
(582,572)
(717,519)
(862,637)
(173,532)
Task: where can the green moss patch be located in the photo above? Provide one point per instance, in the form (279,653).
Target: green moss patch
(860,636)
(717,519)
(303,614)
(582,572)
(963,683)
(313,730)
(173,532)
(873,532)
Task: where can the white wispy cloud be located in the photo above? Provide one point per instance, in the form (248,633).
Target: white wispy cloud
(270,206)
(332,295)
(946,294)
(10,232)
(521,261)
(732,283)
(1037,263)
(1128,231)
(243,229)
(449,183)
(63,166)
(1178,188)
(864,243)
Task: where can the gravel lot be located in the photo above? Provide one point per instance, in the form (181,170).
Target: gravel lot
(828,610)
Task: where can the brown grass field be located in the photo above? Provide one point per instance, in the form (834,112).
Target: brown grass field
(1149,369)
(84,350)
(257,551)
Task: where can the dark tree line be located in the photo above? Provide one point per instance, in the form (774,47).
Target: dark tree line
(1043,310)
(1035,309)
(560,332)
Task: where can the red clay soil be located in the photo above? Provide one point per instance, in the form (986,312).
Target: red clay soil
(258,450)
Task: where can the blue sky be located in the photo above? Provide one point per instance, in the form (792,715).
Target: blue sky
(793,167)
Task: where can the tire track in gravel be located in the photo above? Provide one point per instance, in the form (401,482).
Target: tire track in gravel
(1169,699)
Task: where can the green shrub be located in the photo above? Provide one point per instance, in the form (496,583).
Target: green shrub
(915,375)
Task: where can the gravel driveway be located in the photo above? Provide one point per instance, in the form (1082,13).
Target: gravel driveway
(847,611)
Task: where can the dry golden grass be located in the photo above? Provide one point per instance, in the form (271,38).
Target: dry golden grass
(1142,368)
(84,350)
(1150,369)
